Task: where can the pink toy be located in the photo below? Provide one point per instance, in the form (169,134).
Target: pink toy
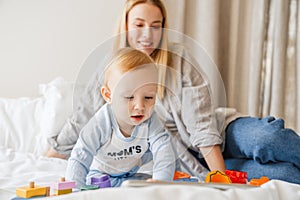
(63,187)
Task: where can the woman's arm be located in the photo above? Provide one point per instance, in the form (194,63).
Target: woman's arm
(213,157)
(197,111)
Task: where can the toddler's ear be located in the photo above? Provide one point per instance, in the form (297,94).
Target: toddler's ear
(105,91)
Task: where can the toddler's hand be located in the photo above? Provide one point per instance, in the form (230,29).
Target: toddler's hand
(154,180)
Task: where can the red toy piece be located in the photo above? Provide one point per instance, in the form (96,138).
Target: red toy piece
(237,176)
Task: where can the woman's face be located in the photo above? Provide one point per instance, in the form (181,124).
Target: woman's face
(144,26)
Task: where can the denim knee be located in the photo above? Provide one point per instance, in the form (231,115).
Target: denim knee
(250,137)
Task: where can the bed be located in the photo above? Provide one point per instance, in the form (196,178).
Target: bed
(25,125)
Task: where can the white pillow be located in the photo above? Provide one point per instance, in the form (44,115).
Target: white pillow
(26,123)
(58,96)
(20,121)
(59,104)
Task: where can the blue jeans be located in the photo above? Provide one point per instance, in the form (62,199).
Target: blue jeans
(263,147)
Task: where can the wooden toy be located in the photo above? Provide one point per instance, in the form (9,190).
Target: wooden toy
(102,181)
(217,177)
(184,177)
(32,191)
(259,182)
(179,175)
(237,176)
(89,187)
(63,187)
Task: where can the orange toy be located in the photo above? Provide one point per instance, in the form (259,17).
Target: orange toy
(259,182)
(217,177)
(179,175)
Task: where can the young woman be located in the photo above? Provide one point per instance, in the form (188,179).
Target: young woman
(258,146)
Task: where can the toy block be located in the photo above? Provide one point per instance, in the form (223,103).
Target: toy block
(237,176)
(217,177)
(63,184)
(63,187)
(89,187)
(32,191)
(180,175)
(60,192)
(259,182)
(102,181)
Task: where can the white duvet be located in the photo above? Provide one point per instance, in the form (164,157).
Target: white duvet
(19,168)
(25,125)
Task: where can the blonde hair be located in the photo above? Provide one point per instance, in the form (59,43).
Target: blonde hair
(160,54)
(126,59)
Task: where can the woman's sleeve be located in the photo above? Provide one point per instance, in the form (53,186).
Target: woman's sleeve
(198,109)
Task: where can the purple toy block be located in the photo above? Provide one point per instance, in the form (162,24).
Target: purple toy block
(102,181)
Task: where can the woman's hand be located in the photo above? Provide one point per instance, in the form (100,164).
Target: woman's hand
(51,153)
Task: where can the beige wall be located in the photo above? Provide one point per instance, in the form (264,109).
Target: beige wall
(43,39)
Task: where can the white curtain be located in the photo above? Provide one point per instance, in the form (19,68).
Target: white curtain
(279,81)
(255,44)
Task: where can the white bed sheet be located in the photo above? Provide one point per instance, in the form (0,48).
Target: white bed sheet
(17,169)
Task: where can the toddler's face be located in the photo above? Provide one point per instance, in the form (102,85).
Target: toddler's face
(133,95)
